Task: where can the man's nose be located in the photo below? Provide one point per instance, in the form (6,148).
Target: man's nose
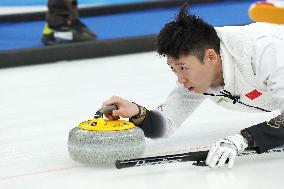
(182,80)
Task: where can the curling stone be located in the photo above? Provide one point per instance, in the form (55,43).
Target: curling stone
(101,142)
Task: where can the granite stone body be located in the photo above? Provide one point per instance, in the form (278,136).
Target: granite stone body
(105,147)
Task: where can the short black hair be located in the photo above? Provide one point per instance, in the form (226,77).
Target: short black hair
(187,34)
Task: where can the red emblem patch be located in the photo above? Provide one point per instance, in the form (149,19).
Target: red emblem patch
(253,94)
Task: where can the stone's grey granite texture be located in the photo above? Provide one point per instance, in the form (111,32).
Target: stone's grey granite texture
(105,147)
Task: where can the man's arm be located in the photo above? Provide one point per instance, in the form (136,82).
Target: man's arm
(269,64)
(268,135)
(163,121)
(269,69)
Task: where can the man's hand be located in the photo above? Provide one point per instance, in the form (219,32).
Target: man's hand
(227,148)
(125,109)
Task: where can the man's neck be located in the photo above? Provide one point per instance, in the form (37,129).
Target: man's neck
(219,79)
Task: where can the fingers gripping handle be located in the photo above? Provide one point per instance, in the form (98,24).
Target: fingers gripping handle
(105,109)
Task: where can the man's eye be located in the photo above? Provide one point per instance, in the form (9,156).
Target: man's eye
(182,68)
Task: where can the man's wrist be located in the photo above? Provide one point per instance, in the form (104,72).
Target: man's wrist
(238,141)
(140,117)
(249,138)
(136,115)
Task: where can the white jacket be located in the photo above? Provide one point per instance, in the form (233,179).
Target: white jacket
(253,70)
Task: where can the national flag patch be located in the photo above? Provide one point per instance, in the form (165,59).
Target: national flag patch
(253,94)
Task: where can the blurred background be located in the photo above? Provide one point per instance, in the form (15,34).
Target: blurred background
(122,26)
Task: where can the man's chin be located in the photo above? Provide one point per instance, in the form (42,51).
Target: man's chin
(198,90)
(193,89)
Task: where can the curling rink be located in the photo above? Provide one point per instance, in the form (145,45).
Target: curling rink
(40,104)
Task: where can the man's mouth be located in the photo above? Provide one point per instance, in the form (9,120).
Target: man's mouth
(190,88)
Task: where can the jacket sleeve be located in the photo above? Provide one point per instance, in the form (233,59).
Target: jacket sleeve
(169,115)
(268,135)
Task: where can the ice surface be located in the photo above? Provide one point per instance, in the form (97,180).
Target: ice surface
(39,105)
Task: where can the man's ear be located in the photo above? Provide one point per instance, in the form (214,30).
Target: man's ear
(210,56)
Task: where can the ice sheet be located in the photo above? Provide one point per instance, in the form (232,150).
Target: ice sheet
(39,105)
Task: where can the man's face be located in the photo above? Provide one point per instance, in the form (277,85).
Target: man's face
(192,73)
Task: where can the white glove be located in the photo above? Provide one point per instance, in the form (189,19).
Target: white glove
(228,147)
